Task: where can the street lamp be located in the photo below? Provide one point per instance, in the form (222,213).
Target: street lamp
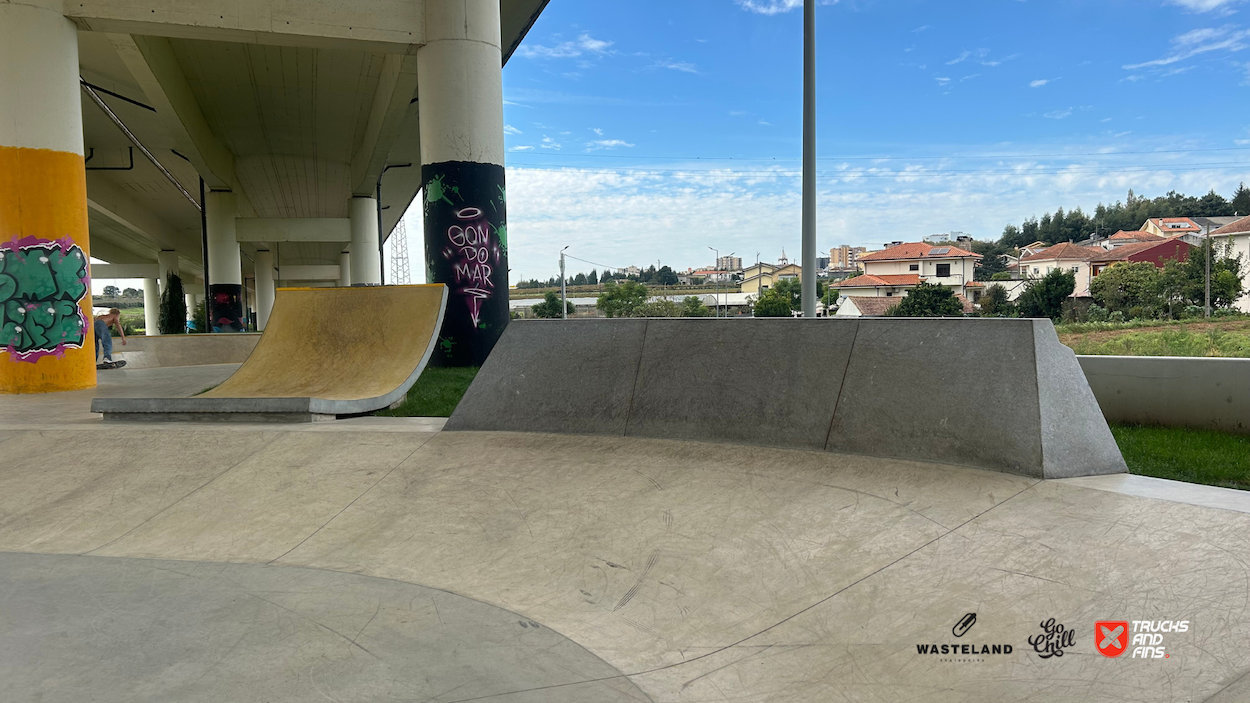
(564,306)
(716,290)
(808,286)
(730,257)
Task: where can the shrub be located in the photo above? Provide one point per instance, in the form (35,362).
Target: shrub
(1116,316)
(173,315)
(1097,313)
(658,308)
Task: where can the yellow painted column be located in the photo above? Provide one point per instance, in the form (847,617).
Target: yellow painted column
(46,341)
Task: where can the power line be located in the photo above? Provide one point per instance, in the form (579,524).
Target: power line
(873,173)
(1063,155)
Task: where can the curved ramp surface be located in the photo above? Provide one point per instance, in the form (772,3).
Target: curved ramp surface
(325,352)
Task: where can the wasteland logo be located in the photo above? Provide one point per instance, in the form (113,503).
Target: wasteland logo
(42,283)
(1052,640)
(961,628)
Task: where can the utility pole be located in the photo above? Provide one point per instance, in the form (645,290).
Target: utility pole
(1206,246)
(809,159)
(564,306)
(716,280)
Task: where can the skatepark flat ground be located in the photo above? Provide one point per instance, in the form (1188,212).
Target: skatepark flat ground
(385,559)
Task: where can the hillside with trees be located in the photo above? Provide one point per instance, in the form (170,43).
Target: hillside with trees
(1128,214)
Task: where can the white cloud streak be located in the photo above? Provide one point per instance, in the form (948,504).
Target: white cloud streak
(584,44)
(1197,42)
(776,7)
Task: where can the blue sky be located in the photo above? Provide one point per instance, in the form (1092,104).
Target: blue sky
(645,130)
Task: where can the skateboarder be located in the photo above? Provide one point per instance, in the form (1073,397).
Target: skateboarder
(102,336)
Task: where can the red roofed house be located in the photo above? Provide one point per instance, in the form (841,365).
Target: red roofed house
(897,269)
(1125,237)
(1066,256)
(1169,226)
(1157,253)
(1238,234)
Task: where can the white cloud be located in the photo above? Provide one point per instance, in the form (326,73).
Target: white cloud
(521,148)
(1041,82)
(776,7)
(1200,41)
(608,144)
(959,59)
(1204,5)
(766,124)
(623,218)
(584,44)
(918,30)
(1058,114)
(509,129)
(597,130)
(683,66)
(942,81)
(549,143)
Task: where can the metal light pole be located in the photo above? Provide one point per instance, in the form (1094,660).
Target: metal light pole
(727,269)
(716,290)
(809,159)
(564,306)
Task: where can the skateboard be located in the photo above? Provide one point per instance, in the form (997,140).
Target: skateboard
(111,365)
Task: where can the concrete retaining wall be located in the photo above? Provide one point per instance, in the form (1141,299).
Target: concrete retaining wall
(996,394)
(185,349)
(1172,391)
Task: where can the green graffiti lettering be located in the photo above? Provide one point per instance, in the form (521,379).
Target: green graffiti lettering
(41,287)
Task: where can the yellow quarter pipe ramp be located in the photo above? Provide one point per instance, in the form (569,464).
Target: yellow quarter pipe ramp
(325,352)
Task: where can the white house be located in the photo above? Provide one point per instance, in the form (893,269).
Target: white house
(1238,233)
(899,268)
(1065,256)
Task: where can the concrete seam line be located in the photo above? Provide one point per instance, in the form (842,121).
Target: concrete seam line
(353,502)
(158,513)
(834,415)
(642,351)
(766,629)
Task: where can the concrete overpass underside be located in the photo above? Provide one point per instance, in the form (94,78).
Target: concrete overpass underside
(304,122)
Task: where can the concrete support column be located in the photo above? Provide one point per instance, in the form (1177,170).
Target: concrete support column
(460,100)
(264,287)
(151,307)
(225,266)
(190,301)
(46,341)
(345,270)
(366,267)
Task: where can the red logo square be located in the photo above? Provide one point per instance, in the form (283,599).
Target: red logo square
(1111,637)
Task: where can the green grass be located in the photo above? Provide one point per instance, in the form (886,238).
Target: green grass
(1223,338)
(1195,456)
(435,394)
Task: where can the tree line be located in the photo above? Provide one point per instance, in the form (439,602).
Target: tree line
(663,276)
(1128,214)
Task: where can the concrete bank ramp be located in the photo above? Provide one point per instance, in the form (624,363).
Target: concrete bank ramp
(997,394)
(325,352)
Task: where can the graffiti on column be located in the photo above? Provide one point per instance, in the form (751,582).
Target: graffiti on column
(472,257)
(227,307)
(42,283)
(466,238)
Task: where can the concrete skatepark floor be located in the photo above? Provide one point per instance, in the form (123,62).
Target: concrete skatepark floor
(208,562)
